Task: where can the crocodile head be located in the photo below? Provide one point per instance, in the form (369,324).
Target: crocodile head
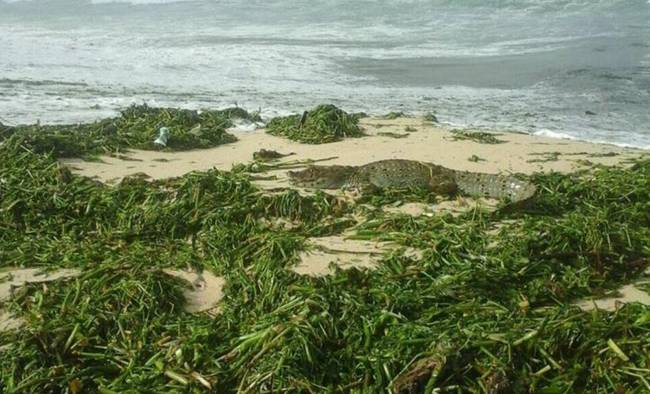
(321,177)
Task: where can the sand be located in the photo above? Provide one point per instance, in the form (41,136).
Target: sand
(429,143)
(204,290)
(14,278)
(10,279)
(626,294)
(324,253)
(419,140)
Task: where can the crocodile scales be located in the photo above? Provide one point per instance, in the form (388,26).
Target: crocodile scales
(398,173)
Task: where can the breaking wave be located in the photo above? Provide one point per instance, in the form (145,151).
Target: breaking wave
(540,66)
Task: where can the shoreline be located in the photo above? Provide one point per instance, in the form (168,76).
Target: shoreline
(269,114)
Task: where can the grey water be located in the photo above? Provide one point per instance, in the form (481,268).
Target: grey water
(564,68)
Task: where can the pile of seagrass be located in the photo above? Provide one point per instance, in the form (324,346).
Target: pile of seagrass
(483,310)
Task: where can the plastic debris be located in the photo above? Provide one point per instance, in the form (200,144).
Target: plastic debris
(163,136)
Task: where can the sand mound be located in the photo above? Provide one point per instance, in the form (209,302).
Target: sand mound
(205,291)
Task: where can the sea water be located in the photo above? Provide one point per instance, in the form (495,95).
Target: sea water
(565,68)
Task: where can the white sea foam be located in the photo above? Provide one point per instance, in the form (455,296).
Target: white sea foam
(554,134)
(566,136)
(139,2)
(515,64)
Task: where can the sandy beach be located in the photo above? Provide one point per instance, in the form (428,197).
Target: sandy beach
(223,245)
(405,197)
(519,153)
(411,138)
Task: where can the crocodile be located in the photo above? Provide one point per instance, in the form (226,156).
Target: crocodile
(399,173)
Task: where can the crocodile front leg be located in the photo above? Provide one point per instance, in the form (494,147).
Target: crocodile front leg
(442,184)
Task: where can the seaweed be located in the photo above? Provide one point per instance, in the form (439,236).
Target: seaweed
(481,137)
(487,307)
(475,159)
(240,113)
(323,124)
(431,117)
(603,154)
(269,155)
(5,131)
(394,115)
(391,134)
(545,157)
(359,115)
(136,127)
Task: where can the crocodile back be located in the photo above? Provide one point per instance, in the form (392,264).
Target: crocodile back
(321,177)
(494,186)
(398,173)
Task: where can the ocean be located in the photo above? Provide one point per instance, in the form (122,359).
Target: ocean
(563,68)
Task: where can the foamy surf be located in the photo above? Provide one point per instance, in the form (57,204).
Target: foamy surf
(554,134)
(543,70)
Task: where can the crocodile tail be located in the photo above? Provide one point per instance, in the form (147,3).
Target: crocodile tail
(494,186)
